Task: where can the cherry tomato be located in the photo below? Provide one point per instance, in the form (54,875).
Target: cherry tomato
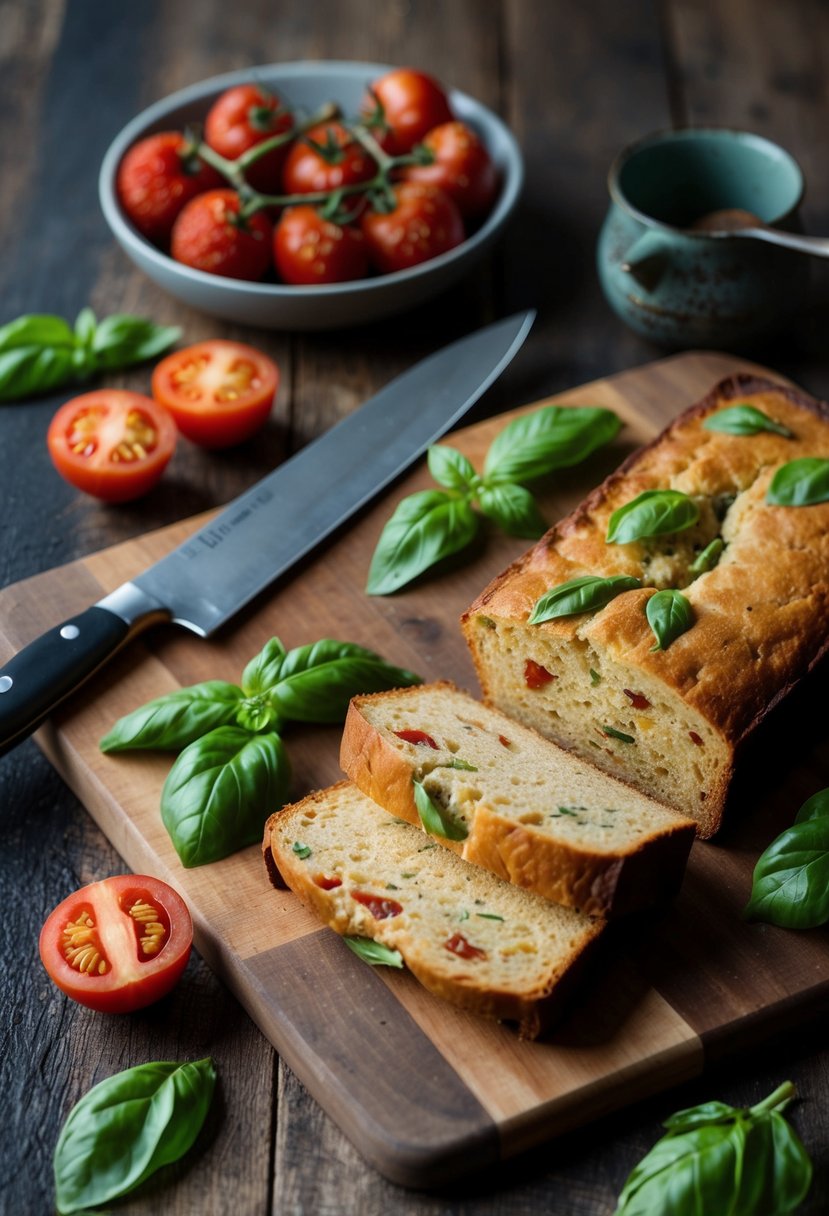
(412,104)
(462,168)
(326,158)
(208,235)
(243,117)
(310,249)
(112,444)
(118,944)
(424,223)
(156,178)
(219,393)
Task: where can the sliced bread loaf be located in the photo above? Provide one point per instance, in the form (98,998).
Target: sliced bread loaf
(470,938)
(512,802)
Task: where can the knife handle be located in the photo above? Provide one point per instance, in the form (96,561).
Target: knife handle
(38,678)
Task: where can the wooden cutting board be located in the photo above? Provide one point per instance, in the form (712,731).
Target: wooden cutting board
(427,1092)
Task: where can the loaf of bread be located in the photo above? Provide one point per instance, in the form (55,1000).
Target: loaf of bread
(671,721)
(470,938)
(516,804)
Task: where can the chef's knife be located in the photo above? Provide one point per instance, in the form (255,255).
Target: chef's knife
(260,535)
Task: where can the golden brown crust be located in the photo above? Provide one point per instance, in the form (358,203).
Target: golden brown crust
(761,614)
(598,883)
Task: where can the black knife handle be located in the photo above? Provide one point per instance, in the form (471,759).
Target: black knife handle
(39,677)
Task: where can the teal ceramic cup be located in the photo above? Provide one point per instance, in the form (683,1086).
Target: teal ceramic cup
(682,288)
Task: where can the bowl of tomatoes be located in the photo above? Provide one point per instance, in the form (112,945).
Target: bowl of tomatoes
(310,195)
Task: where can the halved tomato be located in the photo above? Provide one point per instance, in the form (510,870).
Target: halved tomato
(219,392)
(111,443)
(118,944)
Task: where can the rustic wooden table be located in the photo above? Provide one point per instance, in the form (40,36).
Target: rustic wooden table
(576,82)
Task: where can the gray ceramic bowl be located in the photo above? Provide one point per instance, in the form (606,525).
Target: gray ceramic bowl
(272,305)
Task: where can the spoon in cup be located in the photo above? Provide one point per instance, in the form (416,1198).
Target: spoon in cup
(733,221)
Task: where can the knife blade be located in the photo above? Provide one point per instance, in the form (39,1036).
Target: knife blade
(263,532)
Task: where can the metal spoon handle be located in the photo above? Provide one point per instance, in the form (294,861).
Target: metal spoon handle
(816,245)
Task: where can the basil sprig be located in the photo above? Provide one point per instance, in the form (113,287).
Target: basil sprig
(587,593)
(432,525)
(652,513)
(717,1158)
(374,952)
(436,821)
(790,886)
(126,1128)
(744,419)
(234,770)
(669,615)
(800,483)
(40,352)
(708,558)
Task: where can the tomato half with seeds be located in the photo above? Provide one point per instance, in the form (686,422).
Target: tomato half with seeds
(118,944)
(111,443)
(219,393)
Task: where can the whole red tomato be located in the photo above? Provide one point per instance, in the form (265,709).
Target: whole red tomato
(424,223)
(210,236)
(157,176)
(412,104)
(325,158)
(462,168)
(310,249)
(243,117)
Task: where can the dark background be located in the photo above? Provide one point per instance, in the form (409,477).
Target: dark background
(576,81)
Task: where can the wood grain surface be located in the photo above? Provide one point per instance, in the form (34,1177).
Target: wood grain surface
(576,82)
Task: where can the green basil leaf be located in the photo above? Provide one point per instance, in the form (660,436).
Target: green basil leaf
(462,766)
(791,1171)
(221,790)
(121,340)
(553,437)
(257,713)
(451,468)
(374,952)
(744,419)
(693,1116)
(171,722)
(86,323)
(669,615)
(27,370)
(317,682)
(652,513)
(512,508)
(435,819)
(127,1127)
(791,879)
(800,483)
(708,558)
(815,807)
(262,672)
(36,329)
(424,528)
(612,733)
(587,593)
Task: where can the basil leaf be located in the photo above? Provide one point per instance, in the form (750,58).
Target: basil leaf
(127,1127)
(27,370)
(669,615)
(316,682)
(262,672)
(791,879)
(424,528)
(815,807)
(708,558)
(374,952)
(36,329)
(451,468)
(463,766)
(553,437)
(221,790)
(740,1162)
(612,733)
(587,593)
(744,420)
(800,483)
(436,821)
(86,324)
(514,509)
(257,713)
(171,722)
(652,513)
(121,340)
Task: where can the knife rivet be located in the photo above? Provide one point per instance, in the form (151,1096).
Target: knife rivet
(5,683)
(69,632)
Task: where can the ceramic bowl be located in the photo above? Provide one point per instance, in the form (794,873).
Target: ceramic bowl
(306,85)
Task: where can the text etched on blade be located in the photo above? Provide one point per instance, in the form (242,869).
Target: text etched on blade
(211,537)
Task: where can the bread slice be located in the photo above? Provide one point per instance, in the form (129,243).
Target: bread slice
(470,938)
(523,808)
(676,717)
